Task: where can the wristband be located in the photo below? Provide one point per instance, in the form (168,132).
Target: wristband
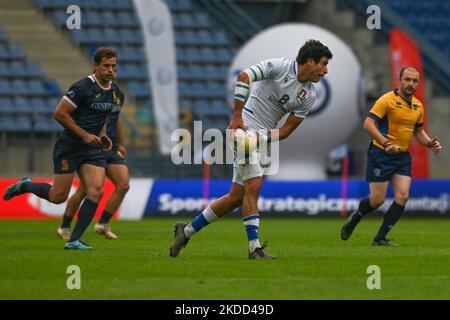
(241,90)
(387,144)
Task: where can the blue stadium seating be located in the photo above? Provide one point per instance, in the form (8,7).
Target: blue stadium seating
(427,17)
(203,52)
(22,90)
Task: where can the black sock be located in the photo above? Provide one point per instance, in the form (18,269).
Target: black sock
(363,209)
(66,221)
(39,189)
(390,218)
(106,216)
(85,215)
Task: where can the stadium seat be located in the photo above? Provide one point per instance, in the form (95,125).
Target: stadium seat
(23,123)
(36,87)
(92,19)
(4,54)
(7,123)
(34,70)
(127,19)
(205,38)
(186,20)
(3,36)
(6,105)
(60,18)
(18,69)
(201,20)
(5,87)
(5,71)
(20,87)
(139,90)
(39,105)
(22,105)
(16,52)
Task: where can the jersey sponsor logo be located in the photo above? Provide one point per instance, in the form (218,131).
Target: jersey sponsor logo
(98,95)
(104,106)
(276,102)
(398,104)
(301,95)
(286,79)
(415,106)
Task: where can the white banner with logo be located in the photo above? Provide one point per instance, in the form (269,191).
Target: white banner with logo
(156,22)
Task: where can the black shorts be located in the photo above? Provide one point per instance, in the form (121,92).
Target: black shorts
(67,158)
(115,157)
(381,165)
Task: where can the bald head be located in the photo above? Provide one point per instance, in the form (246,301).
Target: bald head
(408,69)
(409,80)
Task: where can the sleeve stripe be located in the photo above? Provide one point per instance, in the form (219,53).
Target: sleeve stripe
(237,95)
(260,69)
(418,125)
(374,116)
(70,101)
(258,77)
(254,74)
(242,85)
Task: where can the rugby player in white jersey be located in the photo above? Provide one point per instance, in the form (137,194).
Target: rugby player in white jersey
(280,86)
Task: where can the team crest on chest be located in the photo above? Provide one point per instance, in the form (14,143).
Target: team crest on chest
(301,95)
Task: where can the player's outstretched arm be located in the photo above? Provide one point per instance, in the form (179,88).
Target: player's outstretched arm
(63,113)
(425,140)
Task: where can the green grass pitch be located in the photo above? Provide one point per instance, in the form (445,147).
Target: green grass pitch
(312,262)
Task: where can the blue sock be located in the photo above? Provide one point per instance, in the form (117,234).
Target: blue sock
(202,220)
(251,226)
(39,189)
(199,222)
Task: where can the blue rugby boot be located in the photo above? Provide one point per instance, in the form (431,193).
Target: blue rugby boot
(77,245)
(14,189)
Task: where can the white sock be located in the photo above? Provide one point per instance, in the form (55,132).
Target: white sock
(253,244)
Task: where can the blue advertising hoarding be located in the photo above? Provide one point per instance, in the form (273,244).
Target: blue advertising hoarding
(305,198)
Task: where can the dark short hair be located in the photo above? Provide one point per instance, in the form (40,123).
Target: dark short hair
(313,49)
(403,70)
(104,52)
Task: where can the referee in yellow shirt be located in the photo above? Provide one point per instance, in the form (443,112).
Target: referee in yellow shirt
(391,123)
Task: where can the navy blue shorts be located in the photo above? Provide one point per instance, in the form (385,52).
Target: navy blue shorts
(68,158)
(114,157)
(381,165)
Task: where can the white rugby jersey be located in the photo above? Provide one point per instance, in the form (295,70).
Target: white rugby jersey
(279,92)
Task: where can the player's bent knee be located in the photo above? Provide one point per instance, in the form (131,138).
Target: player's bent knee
(402,199)
(123,187)
(58,198)
(95,193)
(376,202)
